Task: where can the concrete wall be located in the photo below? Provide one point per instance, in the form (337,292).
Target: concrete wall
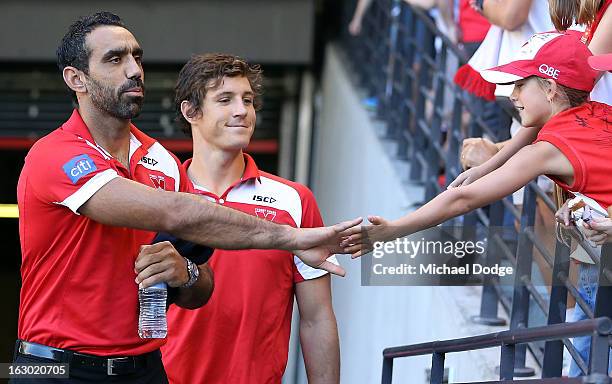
(353,175)
(169,31)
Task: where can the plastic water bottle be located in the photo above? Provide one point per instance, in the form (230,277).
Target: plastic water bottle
(152,319)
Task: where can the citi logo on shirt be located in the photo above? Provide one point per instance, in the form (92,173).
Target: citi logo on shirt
(78,167)
(264,199)
(549,71)
(149,160)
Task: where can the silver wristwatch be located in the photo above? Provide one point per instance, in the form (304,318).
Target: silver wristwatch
(194,273)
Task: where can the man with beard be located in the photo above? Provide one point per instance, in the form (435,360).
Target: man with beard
(90,194)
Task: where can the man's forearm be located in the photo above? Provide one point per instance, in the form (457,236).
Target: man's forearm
(125,203)
(203,222)
(200,292)
(321,351)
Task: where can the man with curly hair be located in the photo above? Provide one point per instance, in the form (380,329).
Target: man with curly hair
(241,336)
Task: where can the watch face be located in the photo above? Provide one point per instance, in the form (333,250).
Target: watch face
(196,270)
(194,273)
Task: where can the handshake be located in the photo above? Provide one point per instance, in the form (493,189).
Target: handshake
(315,245)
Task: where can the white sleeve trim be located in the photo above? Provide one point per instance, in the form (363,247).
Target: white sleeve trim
(308,272)
(78,198)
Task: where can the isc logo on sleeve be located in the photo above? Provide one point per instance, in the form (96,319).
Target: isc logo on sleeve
(78,167)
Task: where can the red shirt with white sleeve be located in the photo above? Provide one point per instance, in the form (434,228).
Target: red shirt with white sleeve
(78,290)
(242,334)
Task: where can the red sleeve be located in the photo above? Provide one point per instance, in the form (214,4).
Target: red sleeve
(311,218)
(67,172)
(185,184)
(473,25)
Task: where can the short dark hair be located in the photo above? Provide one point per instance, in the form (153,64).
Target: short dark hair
(204,72)
(72,51)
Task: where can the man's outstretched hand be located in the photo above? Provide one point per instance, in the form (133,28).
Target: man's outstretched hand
(360,240)
(315,245)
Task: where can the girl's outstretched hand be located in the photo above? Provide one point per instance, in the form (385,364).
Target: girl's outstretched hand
(360,240)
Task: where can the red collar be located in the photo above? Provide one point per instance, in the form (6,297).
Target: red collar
(76,125)
(251,172)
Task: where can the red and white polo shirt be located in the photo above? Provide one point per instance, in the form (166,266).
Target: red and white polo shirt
(242,334)
(78,275)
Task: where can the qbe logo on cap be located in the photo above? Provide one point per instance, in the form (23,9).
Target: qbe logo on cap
(549,71)
(78,167)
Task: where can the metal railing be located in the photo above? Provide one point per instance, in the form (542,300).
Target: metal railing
(405,64)
(599,328)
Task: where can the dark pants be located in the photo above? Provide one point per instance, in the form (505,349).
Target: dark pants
(153,373)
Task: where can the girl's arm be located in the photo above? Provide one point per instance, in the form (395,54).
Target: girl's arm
(507,14)
(523,137)
(602,38)
(360,10)
(526,165)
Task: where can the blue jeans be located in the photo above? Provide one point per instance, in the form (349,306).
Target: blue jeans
(587,287)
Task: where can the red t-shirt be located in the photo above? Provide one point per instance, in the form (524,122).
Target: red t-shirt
(242,334)
(473,25)
(78,290)
(584,135)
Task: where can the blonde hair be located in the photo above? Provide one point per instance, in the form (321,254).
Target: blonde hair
(573,97)
(564,13)
(563,234)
